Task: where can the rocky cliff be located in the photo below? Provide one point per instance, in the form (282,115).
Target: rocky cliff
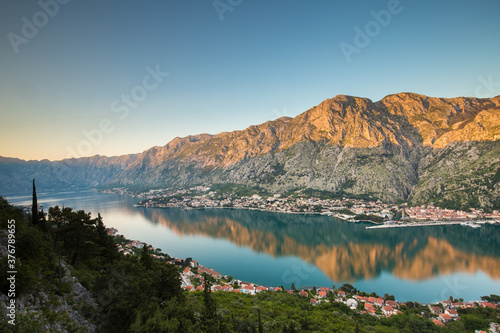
(406,146)
(88,172)
(389,149)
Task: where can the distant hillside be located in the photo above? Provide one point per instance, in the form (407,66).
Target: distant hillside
(88,172)
(404,147)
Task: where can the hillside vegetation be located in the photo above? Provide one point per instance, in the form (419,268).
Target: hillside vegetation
(71,278)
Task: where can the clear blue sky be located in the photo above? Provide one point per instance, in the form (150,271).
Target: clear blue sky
(264,59)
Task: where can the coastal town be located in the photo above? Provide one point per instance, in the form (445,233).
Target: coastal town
(349,209)
(193,276)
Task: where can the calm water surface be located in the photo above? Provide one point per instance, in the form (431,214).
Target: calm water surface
(423,264)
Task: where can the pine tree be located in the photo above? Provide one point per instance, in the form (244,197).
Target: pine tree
(146,259)
(108,251)
(34,207)
(209,315)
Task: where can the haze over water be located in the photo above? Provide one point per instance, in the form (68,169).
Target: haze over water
(423,264)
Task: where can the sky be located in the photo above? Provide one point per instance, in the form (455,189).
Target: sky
(80,78)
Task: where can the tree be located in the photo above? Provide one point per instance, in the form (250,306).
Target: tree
(187,262)
(146,259)
(492,298)
(347,288)
(108,250)
(34,207)
(78,235)
(56,217)
(168,283)
(209,315)
(293,287)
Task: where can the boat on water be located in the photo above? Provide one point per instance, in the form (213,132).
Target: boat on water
(470,224)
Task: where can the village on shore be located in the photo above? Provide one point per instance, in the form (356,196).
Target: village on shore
(349,209)
(193,276)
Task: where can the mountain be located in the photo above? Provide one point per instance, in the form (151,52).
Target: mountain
(404,147)
(87,172)
(392,149)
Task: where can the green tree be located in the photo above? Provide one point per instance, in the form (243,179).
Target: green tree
(346,287)
(388,297)
(168,283)
(57,219)
(492,298)
(34,207)
(208,315)
(107,248)
(124,287)
(146,259)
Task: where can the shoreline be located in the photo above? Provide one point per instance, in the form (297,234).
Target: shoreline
(376,225)
(187,281)
(330,214)
(468,223)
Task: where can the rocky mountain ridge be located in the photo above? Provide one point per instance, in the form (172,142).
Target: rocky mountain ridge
(390,149)
(76,173)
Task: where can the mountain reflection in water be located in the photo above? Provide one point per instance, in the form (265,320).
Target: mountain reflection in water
(344,251)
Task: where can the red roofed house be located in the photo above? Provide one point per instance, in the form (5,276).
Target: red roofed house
(388,310)
(303,293)
(488,305)
(322,294)
(248,290)
(290,292)
(325,289)
(446,303)
(369,308)
(468,305)
(187,271)
(445,318)
(361,298)
(438,323)
(211,272)
(261,288)
(199,288)
(189,288)
(313,301)
(436,310)
(452,312)
(391,303)
(341,293)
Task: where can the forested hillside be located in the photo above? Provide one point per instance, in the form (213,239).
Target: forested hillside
(71,278)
